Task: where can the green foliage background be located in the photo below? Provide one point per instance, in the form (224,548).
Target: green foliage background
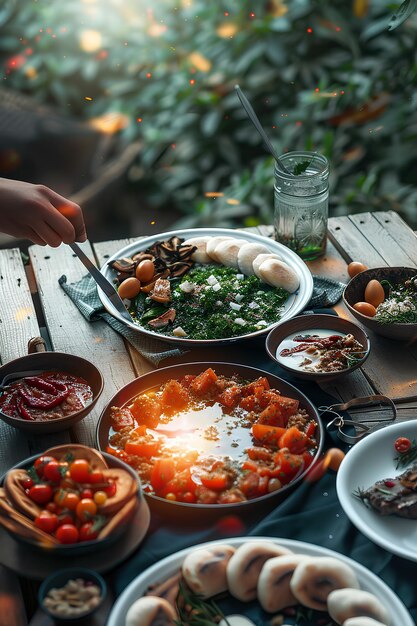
(321,75)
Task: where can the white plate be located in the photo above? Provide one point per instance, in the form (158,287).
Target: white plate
(170,565)
(370,460)
(295,303)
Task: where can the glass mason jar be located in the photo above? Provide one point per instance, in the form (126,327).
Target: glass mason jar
(301,203)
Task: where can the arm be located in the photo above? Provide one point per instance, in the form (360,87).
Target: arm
(40,214)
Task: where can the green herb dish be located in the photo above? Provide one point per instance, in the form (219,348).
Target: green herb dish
(209,302)
(396,317)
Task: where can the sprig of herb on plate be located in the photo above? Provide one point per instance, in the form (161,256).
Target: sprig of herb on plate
(405,458)
(193,610)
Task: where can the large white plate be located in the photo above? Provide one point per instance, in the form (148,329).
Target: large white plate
(295,304)
(170,565)
(370,460)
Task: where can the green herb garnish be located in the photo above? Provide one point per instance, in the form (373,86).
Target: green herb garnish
(300,168)
(405,458)
(193,610)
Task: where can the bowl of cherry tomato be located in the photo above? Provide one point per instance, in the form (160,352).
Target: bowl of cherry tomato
(71,499)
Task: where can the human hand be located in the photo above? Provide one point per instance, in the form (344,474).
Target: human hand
(40,214)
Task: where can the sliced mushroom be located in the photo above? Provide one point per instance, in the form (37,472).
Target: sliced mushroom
(274,591)
(245,566)
(150,611)
(204,570)
(163,320)
(362,621)
(161,291)
(314,579)
(125,265)
(142,256)
(168,590)
(179,268)
(343,604)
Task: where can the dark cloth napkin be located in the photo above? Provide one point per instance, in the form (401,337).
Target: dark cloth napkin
(311,513)
(84,294)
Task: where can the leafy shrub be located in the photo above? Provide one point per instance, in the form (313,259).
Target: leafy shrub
(327,76)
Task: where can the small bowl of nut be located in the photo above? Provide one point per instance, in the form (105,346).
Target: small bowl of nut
(71,595)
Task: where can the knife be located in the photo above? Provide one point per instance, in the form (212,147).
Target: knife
(102,282)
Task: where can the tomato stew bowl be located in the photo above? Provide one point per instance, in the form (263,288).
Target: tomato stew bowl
(68,551)
(56,361)
(315,322)
(354,292)
(196,513)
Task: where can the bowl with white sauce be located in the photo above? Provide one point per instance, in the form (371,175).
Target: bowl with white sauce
(318,347)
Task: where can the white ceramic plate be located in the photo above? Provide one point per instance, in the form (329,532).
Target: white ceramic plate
(370,460)
(170,565)
(295,303)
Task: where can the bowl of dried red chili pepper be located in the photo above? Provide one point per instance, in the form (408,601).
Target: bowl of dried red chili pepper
(212,439)
(48,392)
(318,347)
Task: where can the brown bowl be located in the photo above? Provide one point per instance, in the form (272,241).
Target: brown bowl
(354,292)
(201,513)
(85,547)
(304,323)
(58,361)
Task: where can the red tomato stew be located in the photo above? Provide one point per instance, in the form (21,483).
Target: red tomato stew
(211,439)
(46,396)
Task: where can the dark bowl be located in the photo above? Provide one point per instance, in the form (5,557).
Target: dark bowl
(59,579)
(58,361)
(84,547)
(305,323)
(201,513)
(354,292)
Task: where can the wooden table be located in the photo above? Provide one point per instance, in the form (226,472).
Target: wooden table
(32,303)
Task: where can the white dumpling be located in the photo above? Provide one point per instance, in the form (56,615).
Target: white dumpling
(211,246)
(279,274)
(274,591)
(258,260)
(362,621)
(151,611)
(314,579)
(204,570)
(343,604)
(200,255)
(227,252)
(245,566)
(247,254)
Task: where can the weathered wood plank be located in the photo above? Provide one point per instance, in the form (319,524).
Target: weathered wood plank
(71,333)
(400,232)
(18,323)
(351,243)
(382,239)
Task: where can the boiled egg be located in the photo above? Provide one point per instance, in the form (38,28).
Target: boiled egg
(374,293)
(365,308)
(355,268)
(145,270)
(129,288)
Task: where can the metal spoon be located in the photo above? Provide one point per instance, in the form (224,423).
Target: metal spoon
(102,282)
(255,121)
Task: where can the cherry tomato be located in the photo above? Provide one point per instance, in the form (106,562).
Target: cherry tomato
(27,483)
(95,477)
(67,533)
(70,501)
(110,490)
(87,532)
(87,493)
(100,497)
(402,445)
(52,472)
(47,522)
(41,494)
(65,518)
(59,497)
(40,464)
(86,509)
(80,471)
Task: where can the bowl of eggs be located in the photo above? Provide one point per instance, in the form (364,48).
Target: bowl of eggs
(384,299)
